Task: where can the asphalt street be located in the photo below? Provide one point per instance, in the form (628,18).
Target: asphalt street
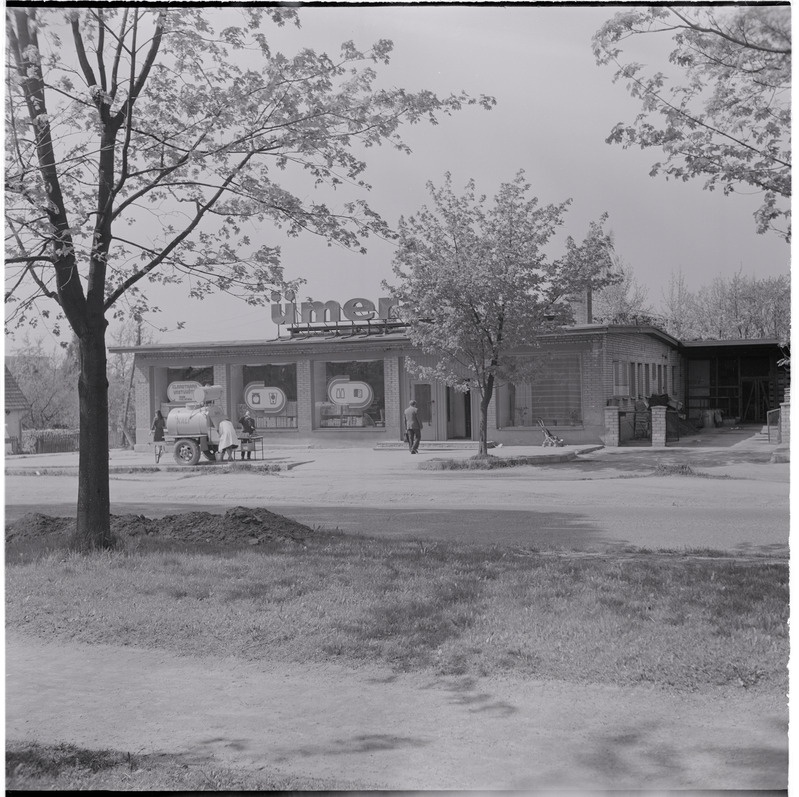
(737,501)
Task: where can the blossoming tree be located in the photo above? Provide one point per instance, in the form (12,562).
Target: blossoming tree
(478,286)
(139,140)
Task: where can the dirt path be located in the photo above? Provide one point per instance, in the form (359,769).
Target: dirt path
(377,730)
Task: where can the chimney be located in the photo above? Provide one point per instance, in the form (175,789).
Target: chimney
(582,306)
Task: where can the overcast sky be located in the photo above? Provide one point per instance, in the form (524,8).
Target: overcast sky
(555,107)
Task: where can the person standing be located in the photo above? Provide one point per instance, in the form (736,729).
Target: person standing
(247,423)
(413,427)
(228,439)
(157,430)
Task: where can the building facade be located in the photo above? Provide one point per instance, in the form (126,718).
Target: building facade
(348,385)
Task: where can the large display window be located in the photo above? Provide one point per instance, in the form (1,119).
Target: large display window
(178,389)
(270,395)
(553,396)
(349,395)
(204,375)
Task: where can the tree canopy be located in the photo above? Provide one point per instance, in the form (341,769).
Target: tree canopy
(478,286)
(140,142)
(738,307)
(623,301)
(720,110)
(165,144)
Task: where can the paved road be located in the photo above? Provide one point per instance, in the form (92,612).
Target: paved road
(592,503)
(756,530)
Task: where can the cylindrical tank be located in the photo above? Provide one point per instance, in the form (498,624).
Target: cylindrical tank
(203,395)
(194,421)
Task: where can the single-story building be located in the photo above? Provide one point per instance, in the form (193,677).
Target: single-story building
(335,382)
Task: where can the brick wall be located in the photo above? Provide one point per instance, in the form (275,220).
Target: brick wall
(221,379)
(648,351)
(144,409)
(611,416)
(304,397)
(785,424)
(393,408)
(658,427)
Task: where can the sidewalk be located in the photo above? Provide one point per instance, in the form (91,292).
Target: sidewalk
(126,459)
(742,440)
(380,730)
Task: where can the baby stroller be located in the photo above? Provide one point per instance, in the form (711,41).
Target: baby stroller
(549,438)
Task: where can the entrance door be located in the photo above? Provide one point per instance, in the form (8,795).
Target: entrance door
(459,415)
(425,405)
(754,399)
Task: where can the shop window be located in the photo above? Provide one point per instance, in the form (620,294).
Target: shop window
(270,394)
(204,375)
(349,395)
(181,384)
(621,385)
(553,395)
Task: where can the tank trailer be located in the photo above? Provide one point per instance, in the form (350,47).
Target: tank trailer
(194,429)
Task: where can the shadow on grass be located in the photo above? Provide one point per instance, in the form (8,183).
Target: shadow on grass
(65,767)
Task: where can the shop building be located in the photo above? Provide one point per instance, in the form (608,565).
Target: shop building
(344,382)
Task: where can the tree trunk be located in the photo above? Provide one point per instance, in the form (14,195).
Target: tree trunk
(94,505)
(485,400)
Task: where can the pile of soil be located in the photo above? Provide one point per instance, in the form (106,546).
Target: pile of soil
(240,524)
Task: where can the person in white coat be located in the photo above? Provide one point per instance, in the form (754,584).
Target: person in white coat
(228,439)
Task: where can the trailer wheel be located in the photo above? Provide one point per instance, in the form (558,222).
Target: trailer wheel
(210,454)
(187,452)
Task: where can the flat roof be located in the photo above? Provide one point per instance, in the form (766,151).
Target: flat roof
(363,336)
(748,343)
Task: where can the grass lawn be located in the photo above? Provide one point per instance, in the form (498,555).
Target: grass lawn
(64,767)
(667,620)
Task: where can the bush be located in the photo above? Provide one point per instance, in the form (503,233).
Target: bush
(47,441)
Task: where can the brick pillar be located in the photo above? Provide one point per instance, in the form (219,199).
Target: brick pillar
(393,406)
(785,424)
(611,426)
(658,427)
(305,406)
(143,397)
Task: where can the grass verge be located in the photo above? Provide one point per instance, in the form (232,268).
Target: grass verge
(486,462)
(449,609)
(64,767)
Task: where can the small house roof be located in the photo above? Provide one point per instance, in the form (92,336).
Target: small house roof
(14,397)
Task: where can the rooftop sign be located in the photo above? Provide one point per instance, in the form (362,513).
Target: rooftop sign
(331,312)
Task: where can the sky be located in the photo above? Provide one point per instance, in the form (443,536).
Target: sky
(555,107)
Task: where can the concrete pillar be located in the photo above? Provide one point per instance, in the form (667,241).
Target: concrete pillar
(658,427)
(611,426)
(785,424)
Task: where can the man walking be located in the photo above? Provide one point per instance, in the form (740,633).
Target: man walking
(413,427)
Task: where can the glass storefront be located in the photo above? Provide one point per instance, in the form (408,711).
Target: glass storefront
(174,387)
(349,394)
(270,394)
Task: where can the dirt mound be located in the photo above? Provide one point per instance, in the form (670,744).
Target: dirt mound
(238,525)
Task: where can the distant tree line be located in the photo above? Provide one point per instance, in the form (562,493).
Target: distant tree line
(738,307)
(47,380)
